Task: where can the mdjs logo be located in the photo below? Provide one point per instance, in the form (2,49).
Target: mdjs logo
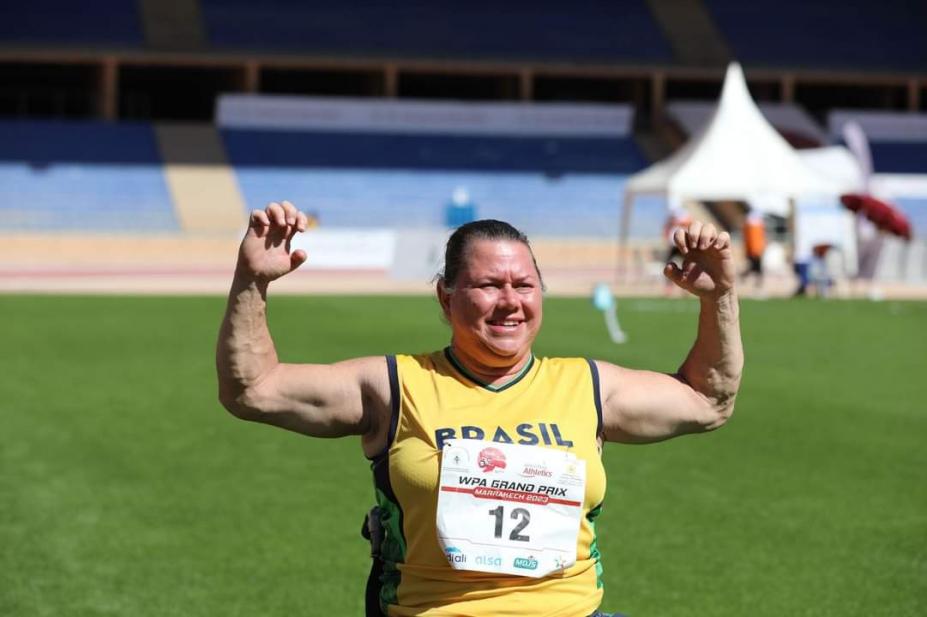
(526,563)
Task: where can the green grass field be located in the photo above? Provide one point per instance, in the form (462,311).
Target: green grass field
(125,489)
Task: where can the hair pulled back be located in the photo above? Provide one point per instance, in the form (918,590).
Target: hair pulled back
(455,252)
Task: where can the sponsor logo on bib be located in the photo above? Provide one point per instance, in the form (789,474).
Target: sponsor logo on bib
(454,555)
(526,563)
(534,471)
(491,458)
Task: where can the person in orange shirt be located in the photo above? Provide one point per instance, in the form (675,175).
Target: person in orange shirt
(754,246)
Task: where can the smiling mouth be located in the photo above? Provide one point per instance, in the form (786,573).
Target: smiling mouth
(504,323)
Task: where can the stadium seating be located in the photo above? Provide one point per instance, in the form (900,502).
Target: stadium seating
(97,177)
(64,22)
(396,151)
(90,177)
(549,186)
(825,33)
(898,141)
(587,29)
(899,157)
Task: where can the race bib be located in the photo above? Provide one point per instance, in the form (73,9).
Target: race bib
(509,508)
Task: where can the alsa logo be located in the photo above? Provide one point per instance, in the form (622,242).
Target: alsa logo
(526,563)
(489,560)
(454,555)
(491,458)
(535,471)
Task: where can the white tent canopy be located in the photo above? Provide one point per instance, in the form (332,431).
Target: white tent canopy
(737,156)
(693,115)
(837,164)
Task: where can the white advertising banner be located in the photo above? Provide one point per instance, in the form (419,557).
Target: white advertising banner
(290,113)
(880,125)
(893,186)
(838,164)
(347,249)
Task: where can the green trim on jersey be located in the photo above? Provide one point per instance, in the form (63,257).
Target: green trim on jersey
(594,547)
(463,371)
(392,550)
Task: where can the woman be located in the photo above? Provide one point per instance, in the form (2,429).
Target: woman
(486,459)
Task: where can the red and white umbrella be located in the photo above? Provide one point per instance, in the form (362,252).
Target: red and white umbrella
(885,216)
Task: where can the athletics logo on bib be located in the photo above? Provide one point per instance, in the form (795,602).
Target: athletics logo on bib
(509,508)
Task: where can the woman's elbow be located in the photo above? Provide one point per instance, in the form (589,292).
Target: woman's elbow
(718,414)
(239,404)
(719,399)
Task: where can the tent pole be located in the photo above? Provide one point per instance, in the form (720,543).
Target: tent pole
(792,227)
(624,256)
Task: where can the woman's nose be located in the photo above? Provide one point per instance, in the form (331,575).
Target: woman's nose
(508,297)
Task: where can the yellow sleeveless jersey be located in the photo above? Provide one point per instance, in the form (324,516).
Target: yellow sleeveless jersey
(553,403)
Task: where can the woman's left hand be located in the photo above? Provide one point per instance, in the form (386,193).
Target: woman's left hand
(708,263)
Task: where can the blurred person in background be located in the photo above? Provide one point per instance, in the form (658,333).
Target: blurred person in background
(754,232)
(460,209)
(482,444)
(820,272)
(802,273)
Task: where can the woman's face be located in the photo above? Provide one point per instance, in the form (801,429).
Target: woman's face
(495,306)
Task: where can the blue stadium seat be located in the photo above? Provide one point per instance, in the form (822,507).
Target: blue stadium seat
(550,187)
(899,157)
(516,29)
(580,205)
(65,22)
(58,176)
(888,34)
(552,155)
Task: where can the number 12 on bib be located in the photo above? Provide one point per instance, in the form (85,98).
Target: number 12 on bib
(509,508)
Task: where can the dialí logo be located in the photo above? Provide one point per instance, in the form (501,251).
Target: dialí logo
(454,555)
(526,563)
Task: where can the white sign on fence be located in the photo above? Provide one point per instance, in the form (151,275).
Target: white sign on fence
(277,112)
(347,248)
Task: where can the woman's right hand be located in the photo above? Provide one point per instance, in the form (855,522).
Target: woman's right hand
(265,250)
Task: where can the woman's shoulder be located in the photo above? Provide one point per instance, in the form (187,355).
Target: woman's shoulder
(560,366)
(562,361)
(432,361)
